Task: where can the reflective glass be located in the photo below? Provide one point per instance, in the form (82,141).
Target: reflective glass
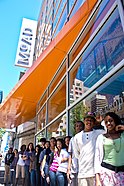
(57,129)
(99,16)
(107,98)
(39,136)
(41,119)
(104,52)
(62,21)
(58,77)
(61,12)
(75,4)
(57,102)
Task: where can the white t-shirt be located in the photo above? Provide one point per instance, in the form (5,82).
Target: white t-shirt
(84,150)
(63,166)
(74,164)
(20,161)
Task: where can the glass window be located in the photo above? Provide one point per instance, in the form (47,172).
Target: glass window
(58,128)
(59,18)
(104,52)
(57,102)
(42,101)
(39,136)
(58,77)
(41,119)
(77,114)
(62,20)
(99,15)
(74,5)
(107,98)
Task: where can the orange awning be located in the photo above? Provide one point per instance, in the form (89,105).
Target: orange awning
(20,105)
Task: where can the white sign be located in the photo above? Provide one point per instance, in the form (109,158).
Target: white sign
(25,50)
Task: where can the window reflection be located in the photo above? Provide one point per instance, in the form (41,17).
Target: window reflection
(58,128)
(107,98)
(59,17)
(57,101)
(41,122)
(39,136)
(74,5)
(105,52)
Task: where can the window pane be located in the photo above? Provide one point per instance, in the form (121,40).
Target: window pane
(77,114)
(42,101)
(104,52)
(39,136)
(58,77)
(41,119)
(57,102)
(58,128)
(107,98)
(60,10)
(99,16)
(75,4)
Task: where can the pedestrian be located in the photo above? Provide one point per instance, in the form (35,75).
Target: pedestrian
(84,150)
(42,143)
(8,160)
(35,167)
(30,151)
(109,161)
(13,167)
(20,167)
(61,174)
(44,160)
(72,171)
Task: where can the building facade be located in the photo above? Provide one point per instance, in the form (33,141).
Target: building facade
(91,76)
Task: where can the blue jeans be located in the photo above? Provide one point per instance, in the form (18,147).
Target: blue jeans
(33,177)
(12,176)
(27,175)
(61,178)
(38,177)
(52,176)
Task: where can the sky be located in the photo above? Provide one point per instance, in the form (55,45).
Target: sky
(11,14)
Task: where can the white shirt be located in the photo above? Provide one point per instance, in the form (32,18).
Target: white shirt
(74,165)
(63,166)
(84,150)
(20,160)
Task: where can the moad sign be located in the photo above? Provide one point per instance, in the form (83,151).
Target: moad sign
(25,50)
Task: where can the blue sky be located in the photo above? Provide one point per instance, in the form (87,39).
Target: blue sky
(11,14)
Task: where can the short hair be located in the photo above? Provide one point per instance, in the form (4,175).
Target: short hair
(79,121)
(43,140)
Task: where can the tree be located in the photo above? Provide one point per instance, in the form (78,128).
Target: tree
(2,131)
(77,114)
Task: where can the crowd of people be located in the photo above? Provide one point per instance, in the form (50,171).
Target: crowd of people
(92,157)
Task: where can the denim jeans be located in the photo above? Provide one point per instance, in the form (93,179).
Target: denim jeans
(61,178)
(52,176)
(12,176)
(33,177)
(38,177)
(27,175)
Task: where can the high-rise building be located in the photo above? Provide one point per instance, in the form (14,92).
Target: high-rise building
(97,103)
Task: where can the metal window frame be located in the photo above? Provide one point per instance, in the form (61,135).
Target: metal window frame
(111,73)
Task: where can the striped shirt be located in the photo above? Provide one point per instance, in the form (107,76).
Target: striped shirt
(55,164)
